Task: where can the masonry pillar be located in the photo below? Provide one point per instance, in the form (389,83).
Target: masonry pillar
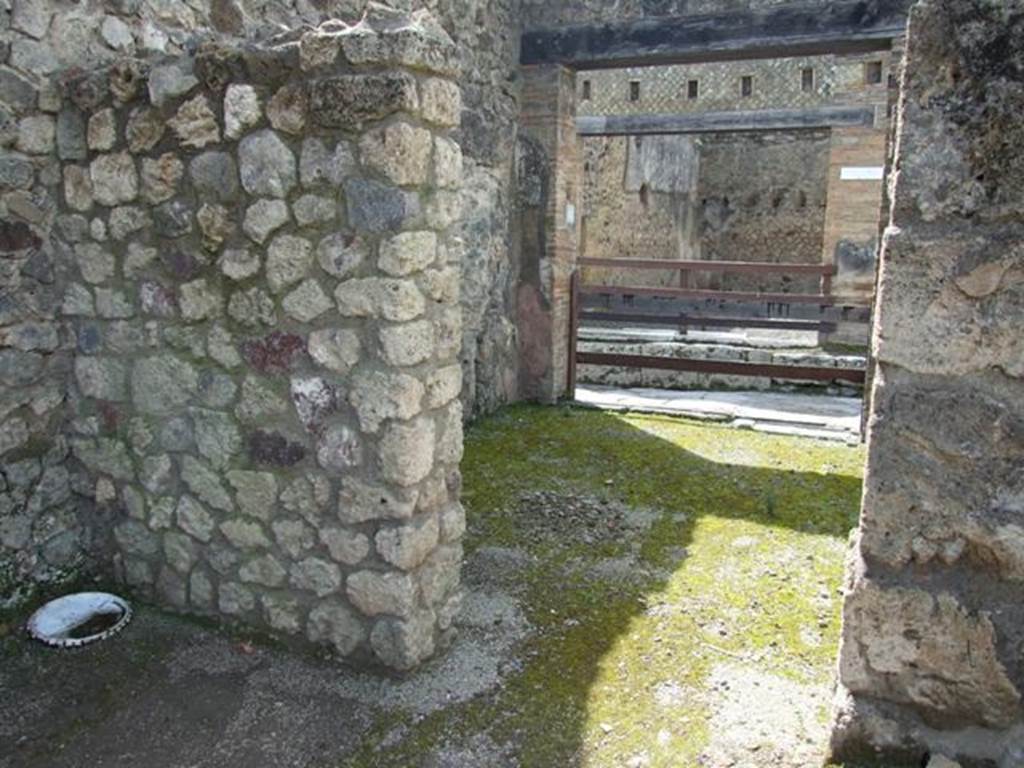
(549,172)
(264,294)
(933,625)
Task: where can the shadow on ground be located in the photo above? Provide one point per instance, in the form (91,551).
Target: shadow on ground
(641,591)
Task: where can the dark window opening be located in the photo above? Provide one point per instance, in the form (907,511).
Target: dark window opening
(586,90)
(634,90)
(807,80)
(873,72)
(893,82)
(746,85)
(692,89)
(644,195)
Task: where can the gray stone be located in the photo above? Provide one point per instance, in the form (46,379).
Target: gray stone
(173,219)
(252,307)
(220,346)
(289,258)
(346,546)
(105,456)
(113,304)
(317,576)
(176,434)
(375,593)
(281,613)
(241,110)
(216,224)
(136,539)
(336,349)
(267,165)
(199,300)
(96,264)
(163,384)
(200,590)
(399,151)
(239,263)
(77,188)
(407,252)
(15,172)
(339,448)
(114,180)
(447,164)
(287,109)
(375,207)
(217,437)
(319,166)
(407,451)
(441,102)
(245,534)
(392,299)
(36,135)
(307,302)
(103,379)
(102,130)
(265,570)
(33,56)
(127,220)
(215,175)
(360,502)
(403,644)
(314,399)
(31,17)
(259,401)
(71,140)
(407,546)
(255,492)
(264,217)
(193,518)
(117,34)
(205,484)
(234,599)
(349,101)
(313,209)
(340,255)
(156,475)
(408,344)
(443,386)
(378,396)
(181,551)
(293,536)
(332,623)
(170,81)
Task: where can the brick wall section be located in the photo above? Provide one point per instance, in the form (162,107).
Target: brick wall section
(549,198)
(933,622)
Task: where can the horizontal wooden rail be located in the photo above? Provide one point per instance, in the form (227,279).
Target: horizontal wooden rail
(747,267)
(803,372)
(683,321)
(694,293)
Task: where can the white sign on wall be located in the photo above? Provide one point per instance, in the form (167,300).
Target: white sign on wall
(861,173)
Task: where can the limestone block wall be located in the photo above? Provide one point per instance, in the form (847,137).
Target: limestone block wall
(263,296)
(933,630)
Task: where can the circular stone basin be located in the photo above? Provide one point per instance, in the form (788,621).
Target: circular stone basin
(79,619)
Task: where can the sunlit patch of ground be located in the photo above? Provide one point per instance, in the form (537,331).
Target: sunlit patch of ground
(680,585)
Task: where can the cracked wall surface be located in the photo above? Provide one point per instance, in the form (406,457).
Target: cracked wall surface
(933,626)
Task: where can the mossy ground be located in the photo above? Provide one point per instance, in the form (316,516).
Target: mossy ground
(740,563)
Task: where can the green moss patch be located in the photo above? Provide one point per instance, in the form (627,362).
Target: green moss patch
(687,548)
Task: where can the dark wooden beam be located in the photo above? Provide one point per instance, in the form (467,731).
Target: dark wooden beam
(720,122)
(792,30)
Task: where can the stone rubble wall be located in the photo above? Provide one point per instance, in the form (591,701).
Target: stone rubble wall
(48,524)
(263,295)
(933,630)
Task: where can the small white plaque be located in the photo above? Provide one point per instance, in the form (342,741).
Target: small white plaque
(570,214)
(862,173)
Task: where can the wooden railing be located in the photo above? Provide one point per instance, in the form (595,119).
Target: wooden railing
(579,292)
